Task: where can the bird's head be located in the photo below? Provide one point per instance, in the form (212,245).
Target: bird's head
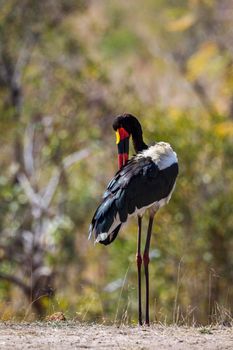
(126,125)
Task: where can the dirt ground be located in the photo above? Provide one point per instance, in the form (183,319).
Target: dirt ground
(73,335)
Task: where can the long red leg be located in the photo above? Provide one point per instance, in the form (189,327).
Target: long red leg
(139,264)
(146,261)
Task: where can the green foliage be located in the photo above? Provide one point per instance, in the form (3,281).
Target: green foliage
(119,42)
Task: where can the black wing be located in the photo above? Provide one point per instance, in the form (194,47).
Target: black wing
(138,184)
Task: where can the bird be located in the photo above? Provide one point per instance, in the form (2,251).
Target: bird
(145,182)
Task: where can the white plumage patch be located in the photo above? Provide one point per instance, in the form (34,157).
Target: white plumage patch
(102,236)
(161,153)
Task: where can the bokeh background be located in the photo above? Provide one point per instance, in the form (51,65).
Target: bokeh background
(66,69)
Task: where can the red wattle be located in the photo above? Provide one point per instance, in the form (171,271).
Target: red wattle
(123,133)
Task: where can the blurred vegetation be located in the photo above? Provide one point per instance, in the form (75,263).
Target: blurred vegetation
(66,68)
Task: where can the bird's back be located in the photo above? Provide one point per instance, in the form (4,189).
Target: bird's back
(147,179)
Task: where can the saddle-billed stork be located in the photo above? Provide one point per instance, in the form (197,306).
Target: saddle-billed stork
(146,181)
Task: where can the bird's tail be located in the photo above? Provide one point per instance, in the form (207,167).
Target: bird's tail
(112,236)
(106,222)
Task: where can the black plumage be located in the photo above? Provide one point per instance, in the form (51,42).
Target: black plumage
(140,183)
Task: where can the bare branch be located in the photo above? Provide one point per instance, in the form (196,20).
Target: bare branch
(44,201)
(17,282)
(55,179)
(33,197)
(75,157)
(28,149)
(51,187)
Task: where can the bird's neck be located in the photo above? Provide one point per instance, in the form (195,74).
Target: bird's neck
(139,144)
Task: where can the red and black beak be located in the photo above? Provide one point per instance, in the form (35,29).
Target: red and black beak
(122,141)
